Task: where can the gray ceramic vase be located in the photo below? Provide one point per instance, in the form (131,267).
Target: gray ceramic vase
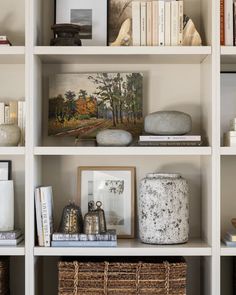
(164,209)
(9,135)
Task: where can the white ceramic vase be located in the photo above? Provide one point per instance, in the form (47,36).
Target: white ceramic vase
(9,135)
(6,205)
(164,209)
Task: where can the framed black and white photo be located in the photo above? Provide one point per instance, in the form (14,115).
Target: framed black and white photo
(115,188)
(90,15)
(5,170)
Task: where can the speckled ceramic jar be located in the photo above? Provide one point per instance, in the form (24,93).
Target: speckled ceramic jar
(164,209)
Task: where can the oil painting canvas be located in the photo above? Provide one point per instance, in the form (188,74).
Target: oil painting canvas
(80,105)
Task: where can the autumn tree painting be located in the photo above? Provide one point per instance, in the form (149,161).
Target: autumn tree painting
(82,104)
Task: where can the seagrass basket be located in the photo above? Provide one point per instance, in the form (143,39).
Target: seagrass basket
(4,276)
(116,277)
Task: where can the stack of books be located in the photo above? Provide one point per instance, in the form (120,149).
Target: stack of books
(157,23)
(13,112)
(4,41)
(230,239)
(230,136)
(11,238)
(44,214)
(108,239)
(170,140)
(228,22)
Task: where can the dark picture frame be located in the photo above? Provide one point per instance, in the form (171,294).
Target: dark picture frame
(5,170)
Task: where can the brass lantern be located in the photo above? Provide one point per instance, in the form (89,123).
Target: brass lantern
(71,220)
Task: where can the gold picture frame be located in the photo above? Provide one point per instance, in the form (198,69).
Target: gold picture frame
(118,183)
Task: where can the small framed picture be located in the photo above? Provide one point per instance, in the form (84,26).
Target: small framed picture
(90,15)
(5,170)
(115,188)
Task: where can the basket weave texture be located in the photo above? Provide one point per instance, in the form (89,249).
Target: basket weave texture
(122,278)
(4,276)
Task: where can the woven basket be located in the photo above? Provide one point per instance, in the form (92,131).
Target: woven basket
(4,276)
(164,277)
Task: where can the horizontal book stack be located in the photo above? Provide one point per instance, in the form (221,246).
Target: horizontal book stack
(228,22)
(13,112)
(230,239)
(4,41)
(157,23)
(11,238)
(173,140)
(107,239)
(44,214)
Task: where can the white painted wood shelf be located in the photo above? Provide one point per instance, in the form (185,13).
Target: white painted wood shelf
(12,55)
(12,150)
(228,54)
(134,247)
(224,151)
(12,250)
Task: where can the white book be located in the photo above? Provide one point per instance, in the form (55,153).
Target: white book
(170,137)
(167,23)
(13,242)
(39,219)
(3,38)
(7,114)
(136,23)
(2,112)
(47,214)
(231,236)
(143,23)
(181,21)
(155,23)
(149,24)
(174,23)
(161,23)
(21,121)
(229,22)
(13,105)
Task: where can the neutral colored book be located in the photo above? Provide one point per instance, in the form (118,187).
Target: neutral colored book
(2,112)
(7,114)
(229,243)
(222,22)
(149,24)
(10,235)
(167,23)
(143,23)
(231,236)
(13,105)
(47,213)
(136,23)
(39,220)
(21,121)
(155,23)
(170,137)
(234,13)
(3,38)
(110,235)
(84,243)
(161,23)
(181,21)
(229,22)
(170,143)
(12,242)
(174,23)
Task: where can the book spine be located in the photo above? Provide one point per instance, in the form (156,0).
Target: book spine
(170,138)
(136,23)
(181,22)
(167,24)
(65,237)
(143,23)
(155,29)
(13,105)
(3,38)
(228,22)
(174,23)
(2,112)
(7,114)
(234,13)
(222,22)
(149,24)
(39,217)
(161,23)
(20,118)
(45,217)
(84,243)
(8,236)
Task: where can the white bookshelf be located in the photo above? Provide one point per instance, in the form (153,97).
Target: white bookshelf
(181,78)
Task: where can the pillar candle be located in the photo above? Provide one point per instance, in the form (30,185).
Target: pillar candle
(6,205)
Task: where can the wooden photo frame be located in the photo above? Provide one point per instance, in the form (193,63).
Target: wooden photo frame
(114,186)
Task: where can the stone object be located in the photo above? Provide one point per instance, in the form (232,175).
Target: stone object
(168,123)
(163,209)
(9,135)
(114,137)
(191,37)
(124,36)
(66,35)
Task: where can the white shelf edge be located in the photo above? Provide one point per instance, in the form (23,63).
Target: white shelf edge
(145,151)
(130,248)
(131,50)
(12,251)
(228,50)
(224,151)
(12,150)
(227,251)
(12,50)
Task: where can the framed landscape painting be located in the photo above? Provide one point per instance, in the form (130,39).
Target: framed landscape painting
(115,188)
(87,14)
(80,105)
